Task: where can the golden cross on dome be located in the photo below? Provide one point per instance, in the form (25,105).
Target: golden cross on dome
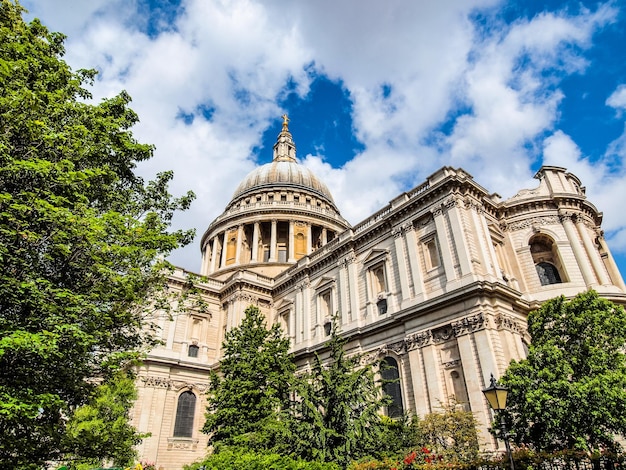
(285,120)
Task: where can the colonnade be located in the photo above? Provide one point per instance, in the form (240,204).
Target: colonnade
(275,241)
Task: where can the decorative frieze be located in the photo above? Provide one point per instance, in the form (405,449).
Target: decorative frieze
(169,384)
(452,364)
(504,322)
(182,443)
(469,324)
(437,335)
(442,334)
(531,222)
(419,340)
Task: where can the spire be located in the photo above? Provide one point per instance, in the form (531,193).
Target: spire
(284,148)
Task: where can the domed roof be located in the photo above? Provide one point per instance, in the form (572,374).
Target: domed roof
(283,171)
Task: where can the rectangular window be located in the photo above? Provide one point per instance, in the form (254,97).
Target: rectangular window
(431,253)
(326,304)
(377,279)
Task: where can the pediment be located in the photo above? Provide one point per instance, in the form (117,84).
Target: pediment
(375,255)
(283,304)
(324,282)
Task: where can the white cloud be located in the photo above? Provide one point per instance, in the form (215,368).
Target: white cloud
(617,99)
(236,56)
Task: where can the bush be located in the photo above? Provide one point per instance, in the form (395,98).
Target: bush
(229,458)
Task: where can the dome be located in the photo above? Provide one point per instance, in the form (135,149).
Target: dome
(282,173)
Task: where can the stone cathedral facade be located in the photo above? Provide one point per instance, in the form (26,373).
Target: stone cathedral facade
(438,284)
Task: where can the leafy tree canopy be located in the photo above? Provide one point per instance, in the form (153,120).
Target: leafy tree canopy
(99,431)
(336,414)
(256,375)
(570,392)
(82,239)
(451,433)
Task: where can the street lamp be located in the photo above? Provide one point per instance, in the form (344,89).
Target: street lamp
(496,396)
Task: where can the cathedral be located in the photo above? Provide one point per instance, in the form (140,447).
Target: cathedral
(437,284)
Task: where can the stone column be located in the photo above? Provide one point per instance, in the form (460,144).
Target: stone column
(444,245)
(291,256)
(491,248)
(574,242)
(309,239)
(420,391)
(239,243)
(432,369)
(273,241)
(324,236)
(458,236)
(398,240)
(592,253)
(214,255)
(299,321)
(616,276)
(224,248)
(414,262)
(255,243)
(353,287)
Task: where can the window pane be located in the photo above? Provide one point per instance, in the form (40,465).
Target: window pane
(193,351)
(548,274)
(391,386)
(185,411)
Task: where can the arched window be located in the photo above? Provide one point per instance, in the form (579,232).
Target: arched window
(546,259)
(193,350)
(185,411)
(548,274)
(391,386)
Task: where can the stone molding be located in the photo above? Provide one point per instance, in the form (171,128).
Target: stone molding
(424,338)
(182,443)
(169,384)
(505,322)
(534,221)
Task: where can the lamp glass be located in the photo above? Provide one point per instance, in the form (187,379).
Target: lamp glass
(496,395)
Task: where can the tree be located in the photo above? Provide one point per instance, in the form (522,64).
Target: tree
(100,430)
(256,375)
(335,417)
(570,392)
(82,239)
(451,433)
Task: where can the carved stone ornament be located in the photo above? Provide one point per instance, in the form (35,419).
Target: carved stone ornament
(369,358)
(452,364)
(419,340)
(182,443)
(442,334)
(452,201)
(469,324)
(303,284)
(504,322)
(168,384)
(397,232)
(534,221)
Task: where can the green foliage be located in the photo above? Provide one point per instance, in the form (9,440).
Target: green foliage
(236,459)
(451,434)
(399,436)
(100,431)
(570,393)
(335,417)
(245,401)
(81,239)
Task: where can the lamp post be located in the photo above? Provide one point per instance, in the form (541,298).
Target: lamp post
(496,396)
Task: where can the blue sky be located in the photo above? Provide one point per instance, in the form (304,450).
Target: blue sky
(380,94)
